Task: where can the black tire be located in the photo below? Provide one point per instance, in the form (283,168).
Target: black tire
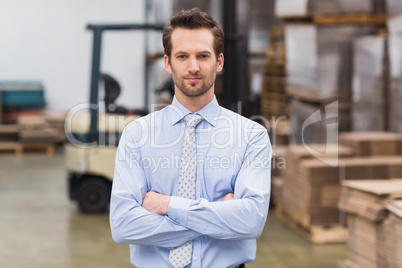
(93,195)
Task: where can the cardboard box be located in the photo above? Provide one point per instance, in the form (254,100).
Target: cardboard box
(375,143)
(303,8)
(393,234)
(311,189)
(369,87)
(368,198)
(364,237)
(371,234)
(319,60)
(311,202)
(394,8)
(321,131)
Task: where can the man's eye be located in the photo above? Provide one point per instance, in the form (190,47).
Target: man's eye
(203,56)
(181,56)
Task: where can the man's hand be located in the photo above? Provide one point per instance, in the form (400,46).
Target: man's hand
(227,197)
(156,203)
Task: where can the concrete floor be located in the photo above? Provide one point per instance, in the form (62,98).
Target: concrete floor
(40,227)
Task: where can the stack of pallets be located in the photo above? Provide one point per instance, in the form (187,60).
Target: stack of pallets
(319,51)
(308,193)
(9,138)
(274,100)
(36,133)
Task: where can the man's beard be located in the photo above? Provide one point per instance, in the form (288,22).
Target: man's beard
(203,88)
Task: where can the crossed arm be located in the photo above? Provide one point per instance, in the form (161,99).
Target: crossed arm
(159,203)
(149,218)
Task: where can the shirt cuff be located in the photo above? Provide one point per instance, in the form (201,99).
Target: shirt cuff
(178,209)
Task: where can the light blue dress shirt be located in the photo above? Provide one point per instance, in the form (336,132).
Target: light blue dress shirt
(233,156)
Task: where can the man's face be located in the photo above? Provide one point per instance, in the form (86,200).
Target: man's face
(193,63)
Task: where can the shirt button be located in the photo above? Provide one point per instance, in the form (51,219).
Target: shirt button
(196,258)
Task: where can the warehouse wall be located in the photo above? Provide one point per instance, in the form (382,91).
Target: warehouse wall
(48,41)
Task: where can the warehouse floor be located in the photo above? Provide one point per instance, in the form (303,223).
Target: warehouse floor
(40,227)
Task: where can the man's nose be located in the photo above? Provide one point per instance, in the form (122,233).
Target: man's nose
(193,66)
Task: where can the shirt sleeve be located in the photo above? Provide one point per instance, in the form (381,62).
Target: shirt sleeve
(242,218)
(130,223)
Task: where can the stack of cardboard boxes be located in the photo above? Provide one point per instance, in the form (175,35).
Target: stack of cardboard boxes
(395,70)
(377,143)
(365,203)
(312,179)
(393,234)
(319,60)
(369,85)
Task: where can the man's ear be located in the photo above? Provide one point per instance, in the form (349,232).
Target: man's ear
(221,60)
(167,64)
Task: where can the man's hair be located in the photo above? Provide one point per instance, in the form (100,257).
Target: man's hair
(193,19)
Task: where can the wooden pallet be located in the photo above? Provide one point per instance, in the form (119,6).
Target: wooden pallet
(275,69)
(276,33)
(315,234)
(9,146)
(340,19)
(49,148)
(274,83)
(364,19)
(19,148)
(275,96)
(276,110)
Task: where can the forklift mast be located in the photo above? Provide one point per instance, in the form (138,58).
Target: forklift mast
(98,30)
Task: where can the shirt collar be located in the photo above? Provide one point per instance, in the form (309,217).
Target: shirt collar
(209,111)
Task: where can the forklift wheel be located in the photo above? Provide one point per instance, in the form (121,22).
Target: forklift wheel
(94,195)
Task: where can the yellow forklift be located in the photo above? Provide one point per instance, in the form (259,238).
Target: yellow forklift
(93,135)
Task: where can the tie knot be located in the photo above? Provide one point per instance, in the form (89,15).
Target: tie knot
(192,120)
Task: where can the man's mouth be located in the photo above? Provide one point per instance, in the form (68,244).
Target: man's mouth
(193,79)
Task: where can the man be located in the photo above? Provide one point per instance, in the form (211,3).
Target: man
(192,181)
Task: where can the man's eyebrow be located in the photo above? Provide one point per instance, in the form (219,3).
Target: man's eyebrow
(205,52)
(180,52)
(184,52)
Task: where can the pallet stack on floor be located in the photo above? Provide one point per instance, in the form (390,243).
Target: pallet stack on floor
(24,123)
(307,198)
(33,133)
(319,51)
(274,100)
(9,138)
(36,133)
(373,240)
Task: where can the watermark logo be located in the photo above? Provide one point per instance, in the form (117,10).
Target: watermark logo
(232,133)
(331,112)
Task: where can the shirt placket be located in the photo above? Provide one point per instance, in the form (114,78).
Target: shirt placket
(199,139)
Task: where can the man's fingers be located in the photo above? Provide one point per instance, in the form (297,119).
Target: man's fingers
(227,197)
